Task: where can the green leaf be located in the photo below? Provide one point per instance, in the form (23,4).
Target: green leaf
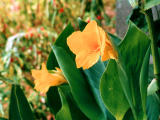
(150,3)
(3,119)
(53,100)
(75,112)
(51,62)
(153,107)
(82,95)
(82,24)
(132,51)
(144,80)
(93,75)
(19,108)
(112,92)
(64,112)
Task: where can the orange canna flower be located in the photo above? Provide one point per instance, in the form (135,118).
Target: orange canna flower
(89,45)
(44,80)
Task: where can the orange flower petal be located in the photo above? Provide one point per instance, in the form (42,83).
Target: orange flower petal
(86,60)
(44,80)
(109,53)
(85,45)
(89,44)
(75,42)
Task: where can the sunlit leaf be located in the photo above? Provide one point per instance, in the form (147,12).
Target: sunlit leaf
(151,3)
(112,92)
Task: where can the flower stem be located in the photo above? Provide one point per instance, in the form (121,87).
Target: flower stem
(154,46)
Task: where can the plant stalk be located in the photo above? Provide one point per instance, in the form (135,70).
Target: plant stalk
(154,46)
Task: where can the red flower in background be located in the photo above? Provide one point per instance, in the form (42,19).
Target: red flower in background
(23,49)
(30,48)
(39,52)
(31,34)
(99,17)
(88,20)
(61,10)
(42,28)
(12,60)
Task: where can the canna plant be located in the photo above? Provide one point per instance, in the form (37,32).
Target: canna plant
(99,76)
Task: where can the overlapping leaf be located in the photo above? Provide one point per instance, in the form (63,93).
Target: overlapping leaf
(131,55)
(69,108)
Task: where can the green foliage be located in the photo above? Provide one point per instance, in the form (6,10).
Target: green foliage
(112,92)
(150,3)
(138,18)
(143,79)
(137,43)
(153,109)
(64,111)
(69,107)
(121,89)
(53,100)
(129,68)
(19,108)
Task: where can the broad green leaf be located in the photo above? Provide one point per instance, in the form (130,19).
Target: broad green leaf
(144,80)
(19,108)
(78,84)
(112,92)
(132,51)
(153,87)
(82,95)
(153,107)
(93,75)
(64,112)
(150,3)
(75,112)
(53,100)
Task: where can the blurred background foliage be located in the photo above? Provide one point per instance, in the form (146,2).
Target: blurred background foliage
(27,28)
